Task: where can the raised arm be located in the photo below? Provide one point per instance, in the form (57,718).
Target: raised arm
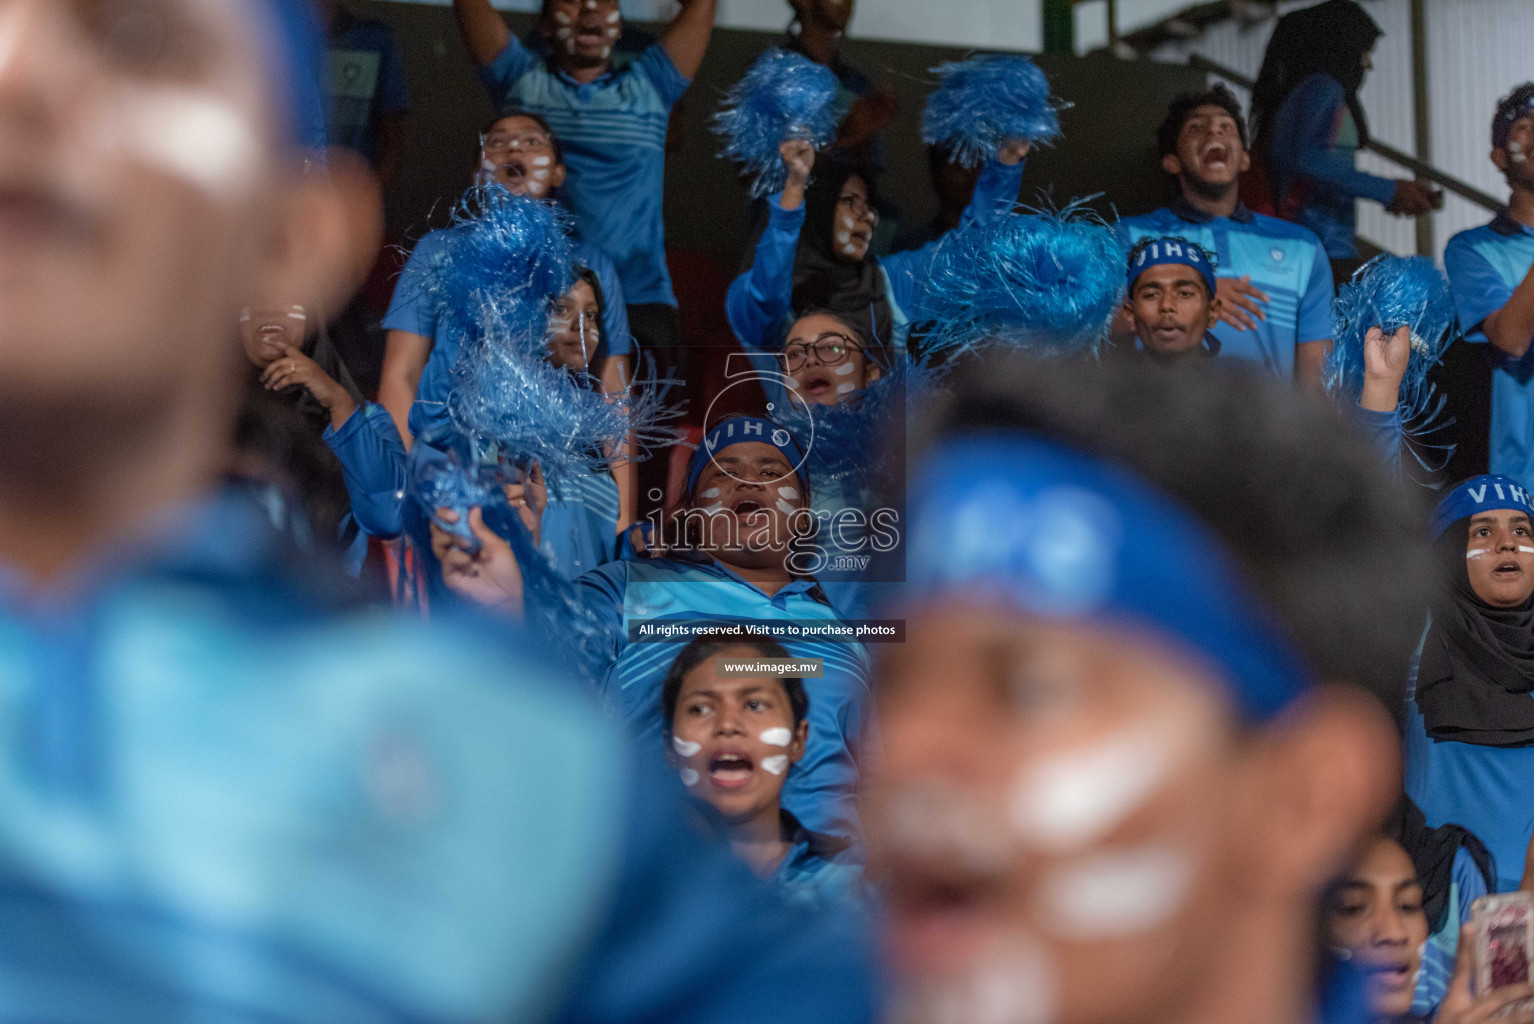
(686,41)
(1484,301)
(759,299)
(1511,328)
(484,31)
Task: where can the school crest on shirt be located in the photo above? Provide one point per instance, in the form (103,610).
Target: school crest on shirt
(1277,254)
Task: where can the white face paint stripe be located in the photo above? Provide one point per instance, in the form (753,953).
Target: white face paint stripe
(787,492)
(843,369)
(686,748)
(777,764)
(541,161)
(711,509)
(612,19)
(785,507)
(777,736)
(1075,798)
(1526,549)
(689,777)
(1478,552)
(711,492)
(204,140)
(562,17)
(845,386)
(843,237)
(1112,894)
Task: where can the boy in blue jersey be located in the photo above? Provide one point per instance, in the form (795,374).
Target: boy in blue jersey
(733,560)
(228,792)
(1140,717)
(1491,273)
(734,739)
(612,123)
(1275,283)
(1173,300)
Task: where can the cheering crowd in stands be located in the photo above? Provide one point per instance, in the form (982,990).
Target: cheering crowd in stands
(1072,621)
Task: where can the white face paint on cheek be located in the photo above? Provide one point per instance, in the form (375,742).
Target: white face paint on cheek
(1075,798)
(1515,150)
(562,17)
(542,161)
(202,139)
(844,387)
(711,509)
(776,736)
(784,492)
(1475,553)
(843,237)
(848,222)
(1526,549)
(606,52)
(711,492)
(777,764)
(786,508)
(1111,894)
(689,777)
(685,747)
(843,369)
(612,19)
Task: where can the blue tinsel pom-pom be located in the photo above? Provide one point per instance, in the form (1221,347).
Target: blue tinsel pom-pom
(843,442)
(782,96)
(1050,281)
(983,102)
(1390,292)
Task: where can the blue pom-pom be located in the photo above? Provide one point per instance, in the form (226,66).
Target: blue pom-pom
(1048,281)
(504,252)
(783,96)
(1391,292)
(986,101)
(843,442)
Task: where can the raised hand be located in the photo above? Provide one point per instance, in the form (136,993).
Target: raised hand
(1385,359)
(1460,1007)
(489,576)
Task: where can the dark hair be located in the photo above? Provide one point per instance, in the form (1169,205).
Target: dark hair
(1329,38)
(1509,109)
(538,119)
(704,647)
(1327,537)
(589,276)
(1182,108)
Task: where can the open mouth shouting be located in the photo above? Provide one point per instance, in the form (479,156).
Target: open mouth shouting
(1215,156)
(815,383)
(730,769)
(1508,570)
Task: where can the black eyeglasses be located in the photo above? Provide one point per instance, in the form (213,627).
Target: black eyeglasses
(830,349)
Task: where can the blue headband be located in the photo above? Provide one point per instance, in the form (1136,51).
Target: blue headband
(738,430)
(1511,107)
(1170,250)
(293,59)
(1479,494)
(1005,516)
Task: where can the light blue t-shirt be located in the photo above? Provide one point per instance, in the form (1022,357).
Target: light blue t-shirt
(228,795)
(613,132)
(1286,262)
(1484,265)
(822,790)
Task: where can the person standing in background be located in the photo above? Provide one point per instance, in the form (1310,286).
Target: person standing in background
(1310,125)
(368,98)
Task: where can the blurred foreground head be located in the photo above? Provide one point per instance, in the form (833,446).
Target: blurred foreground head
(155,179)
(1154,625)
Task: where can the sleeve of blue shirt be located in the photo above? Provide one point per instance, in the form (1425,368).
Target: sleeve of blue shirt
(1478,289)
(994,197)
(601,591)
(759,299)
(411,308)
(1467,878)
(691,937)
(372,458)
(617,339)
(502,73)
(393,91)
(655,64)
(1315,315)
(1314,106)
(1383,432)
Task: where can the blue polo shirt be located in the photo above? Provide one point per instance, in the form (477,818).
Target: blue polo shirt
(414,309)
(613,132)
(1286,261)
(1484,265)
(819,871)
(365,83)
(821,791)
(228,793)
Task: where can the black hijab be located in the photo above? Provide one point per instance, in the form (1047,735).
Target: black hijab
(1477,667)
(1432,852)
(824,282)
(1330,38)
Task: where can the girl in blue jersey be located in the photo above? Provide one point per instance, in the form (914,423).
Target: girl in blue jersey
(813,252)
(735,741)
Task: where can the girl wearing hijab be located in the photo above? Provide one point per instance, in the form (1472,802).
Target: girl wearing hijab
(1310,124)
(1397,915)
(1470,728)
(813,253)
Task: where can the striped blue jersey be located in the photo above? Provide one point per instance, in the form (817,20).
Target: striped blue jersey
(613,132)
(821,791)
(228,795)
(1285,261)
(1484,265)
